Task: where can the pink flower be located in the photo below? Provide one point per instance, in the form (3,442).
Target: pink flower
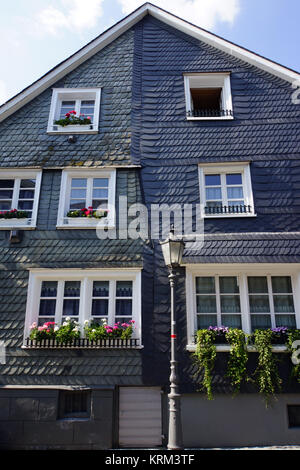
(88,117)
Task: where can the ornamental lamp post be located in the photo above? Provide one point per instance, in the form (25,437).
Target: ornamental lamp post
(172,250)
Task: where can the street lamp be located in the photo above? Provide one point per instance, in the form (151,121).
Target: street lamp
(172,250)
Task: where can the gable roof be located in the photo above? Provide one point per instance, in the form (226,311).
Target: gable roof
(122,26)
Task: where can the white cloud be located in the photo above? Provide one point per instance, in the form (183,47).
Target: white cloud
(73,15)
(204,13)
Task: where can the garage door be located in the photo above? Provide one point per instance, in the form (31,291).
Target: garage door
(140,421)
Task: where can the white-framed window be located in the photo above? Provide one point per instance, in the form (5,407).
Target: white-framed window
(87,189)
(226,190)
(208,96)
(86,104)
(242,296)
(90,295)
(19,190)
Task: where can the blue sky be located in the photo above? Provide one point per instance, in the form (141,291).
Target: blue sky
(38,34)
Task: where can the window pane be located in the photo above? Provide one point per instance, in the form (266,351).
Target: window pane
(49,289)
(228,285)
(235,193)
(79,182)
(205,321)
(212,180)
(6,194)
(26,194)
(7,183)
(205,285)
(47,307)
(98,204)
(262,322)
(71,307)
(72,289)
(27,184)
(214,204)
(124,289)
(77,204)
(259,304)
(206,304)
(78,194)
(230,304)
(281,284)
(100,289)
(235,178)
(123,307)
(257,285)
(283,303)
(286,320)
(25,205)
(100,307)
(213,193)
(100,193)
(236,203)
(100,182)
(5,205)
(232,321)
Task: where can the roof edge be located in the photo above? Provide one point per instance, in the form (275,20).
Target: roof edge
(101,41)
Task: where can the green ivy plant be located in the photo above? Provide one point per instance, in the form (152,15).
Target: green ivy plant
(294,335)
(205,356)
(238,358)
(266,373)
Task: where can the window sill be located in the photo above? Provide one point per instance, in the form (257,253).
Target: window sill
(280,348)
(214,118)
(72,130)
(227,216)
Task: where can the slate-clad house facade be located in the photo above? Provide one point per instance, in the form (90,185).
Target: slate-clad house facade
(149,142)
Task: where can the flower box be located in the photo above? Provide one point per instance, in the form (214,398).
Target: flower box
(14,222)
(73,128)
(86,221)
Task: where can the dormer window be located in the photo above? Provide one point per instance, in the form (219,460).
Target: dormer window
(208,96)
(74,110)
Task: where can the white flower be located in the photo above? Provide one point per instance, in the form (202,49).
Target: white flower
(68,319)
(56,328)
(93,331)
(75,329)
(86,322)
(104,321)
(65,323)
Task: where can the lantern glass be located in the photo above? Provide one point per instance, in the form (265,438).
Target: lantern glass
(172,252)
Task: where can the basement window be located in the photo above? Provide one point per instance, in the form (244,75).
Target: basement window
(294,416)
(75,404)
(208,96)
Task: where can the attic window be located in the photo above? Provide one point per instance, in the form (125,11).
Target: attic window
(208,96)
(79,106)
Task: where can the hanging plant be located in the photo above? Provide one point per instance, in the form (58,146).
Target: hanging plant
(292,336)
(238,358)
(266,373)
(205,356)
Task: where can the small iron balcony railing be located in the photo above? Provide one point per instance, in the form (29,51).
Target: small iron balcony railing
(210,113)
(110,343)
(241,209)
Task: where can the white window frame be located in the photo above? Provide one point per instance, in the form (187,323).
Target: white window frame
(223,169)
(64,200)
(241,271)
(208,80)
(77,95)
(37,276)
(18,175)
